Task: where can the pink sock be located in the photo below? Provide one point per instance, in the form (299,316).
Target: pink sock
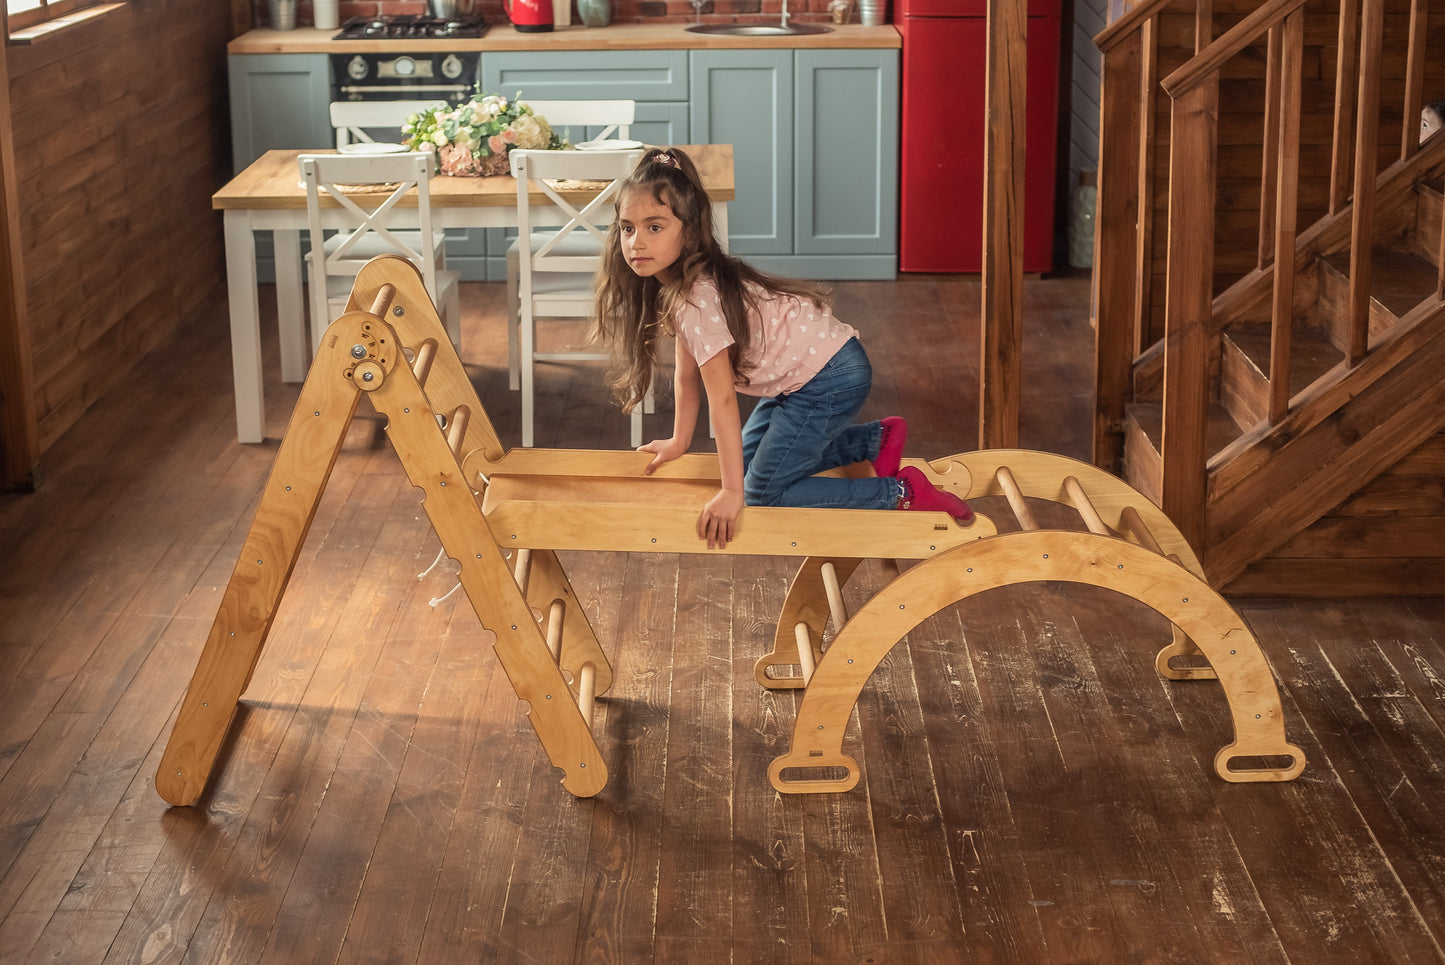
(890,450)
(920,494)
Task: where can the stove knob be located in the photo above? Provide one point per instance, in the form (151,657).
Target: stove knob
(404,66)
(357,68)
(452,67)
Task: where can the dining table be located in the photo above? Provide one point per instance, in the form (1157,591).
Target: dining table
(269,196)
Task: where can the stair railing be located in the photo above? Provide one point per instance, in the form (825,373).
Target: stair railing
(1124,254)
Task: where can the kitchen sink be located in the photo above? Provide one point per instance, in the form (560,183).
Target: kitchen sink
(759,29)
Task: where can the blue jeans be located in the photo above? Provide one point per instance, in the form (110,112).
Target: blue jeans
(790,438)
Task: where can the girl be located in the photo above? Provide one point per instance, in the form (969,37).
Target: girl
(739,330)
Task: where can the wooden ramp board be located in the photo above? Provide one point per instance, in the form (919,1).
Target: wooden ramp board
(658,514)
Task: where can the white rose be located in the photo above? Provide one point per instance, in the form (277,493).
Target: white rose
(439,138)
(532,132)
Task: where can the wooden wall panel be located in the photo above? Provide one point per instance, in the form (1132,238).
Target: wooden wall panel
(121,136)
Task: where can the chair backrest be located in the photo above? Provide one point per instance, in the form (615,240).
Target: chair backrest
(609,115)
(352,118)
(598,173)
(374,211)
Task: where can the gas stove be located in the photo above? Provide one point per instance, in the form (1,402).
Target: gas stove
(404,27)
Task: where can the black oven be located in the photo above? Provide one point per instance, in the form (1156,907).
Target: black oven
(401,74)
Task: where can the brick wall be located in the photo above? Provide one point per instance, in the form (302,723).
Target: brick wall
(623,11)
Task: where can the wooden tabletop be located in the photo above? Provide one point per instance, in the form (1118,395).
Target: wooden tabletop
(273,181)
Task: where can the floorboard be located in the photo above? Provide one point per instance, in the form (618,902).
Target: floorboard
(1031,790)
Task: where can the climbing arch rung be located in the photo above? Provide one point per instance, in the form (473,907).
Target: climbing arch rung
(805,651)
(1136,525)
(1085,506)
(836,606)
(1015,498)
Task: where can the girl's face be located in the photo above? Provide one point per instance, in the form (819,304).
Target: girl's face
(1430,122)
(651,235)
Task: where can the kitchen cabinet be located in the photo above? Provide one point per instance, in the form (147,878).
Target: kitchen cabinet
(815,156)
(278,101)
(745,98)
(845,195)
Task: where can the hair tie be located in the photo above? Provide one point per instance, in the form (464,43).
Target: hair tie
(662,157)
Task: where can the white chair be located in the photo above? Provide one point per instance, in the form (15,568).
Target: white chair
(553,280)
(610,116)
(377,224)
(351,119)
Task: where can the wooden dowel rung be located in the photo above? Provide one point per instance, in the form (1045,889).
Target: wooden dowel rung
(1015,498)
(1141,530)
(556,617)
(522,570)
(425,356)
(457,429)
(805,650)
(835,596)
(587,691)
(382,301)
(1085,506)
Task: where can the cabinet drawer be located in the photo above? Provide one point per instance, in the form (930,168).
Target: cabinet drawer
(639,75)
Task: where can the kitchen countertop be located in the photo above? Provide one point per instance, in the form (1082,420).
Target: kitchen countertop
(619,36)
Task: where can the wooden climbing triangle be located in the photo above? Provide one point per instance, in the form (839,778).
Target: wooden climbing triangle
(503,514)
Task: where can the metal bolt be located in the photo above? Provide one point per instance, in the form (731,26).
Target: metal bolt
(358,351)
(368,376)
(398,311)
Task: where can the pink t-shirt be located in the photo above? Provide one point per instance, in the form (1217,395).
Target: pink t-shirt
(792,338)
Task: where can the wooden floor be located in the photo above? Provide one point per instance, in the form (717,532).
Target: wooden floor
(1032,792)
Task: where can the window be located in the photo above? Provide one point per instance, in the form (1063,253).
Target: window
(27,13)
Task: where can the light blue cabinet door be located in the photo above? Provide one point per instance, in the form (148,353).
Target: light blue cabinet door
(846,190)
(555,75)
(745,98)
(278,101)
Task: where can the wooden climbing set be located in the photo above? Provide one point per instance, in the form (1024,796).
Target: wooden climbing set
(504,514)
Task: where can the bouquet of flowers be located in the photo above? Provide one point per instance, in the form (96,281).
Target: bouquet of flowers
(473,139)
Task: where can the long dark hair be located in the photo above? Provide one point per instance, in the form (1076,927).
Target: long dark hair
(633,313)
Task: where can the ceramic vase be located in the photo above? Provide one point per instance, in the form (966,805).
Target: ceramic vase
(595,13)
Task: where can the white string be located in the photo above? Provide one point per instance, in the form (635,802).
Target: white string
(440,553)
(440,599)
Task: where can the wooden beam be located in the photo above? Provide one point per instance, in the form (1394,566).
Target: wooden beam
(19,431)
(1001,331)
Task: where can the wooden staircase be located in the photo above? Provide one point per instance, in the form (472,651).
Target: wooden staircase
(1290,420)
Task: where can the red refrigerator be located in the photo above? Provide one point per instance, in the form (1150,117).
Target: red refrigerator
(941,169)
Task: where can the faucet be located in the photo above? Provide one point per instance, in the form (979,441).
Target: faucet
(784,22)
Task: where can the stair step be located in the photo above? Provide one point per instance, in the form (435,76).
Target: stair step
(1244,367)
(1143,435)
(1399,281)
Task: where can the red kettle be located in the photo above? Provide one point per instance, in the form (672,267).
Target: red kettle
(530,16)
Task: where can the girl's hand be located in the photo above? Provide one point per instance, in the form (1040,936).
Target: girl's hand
(718,521)
(663,450)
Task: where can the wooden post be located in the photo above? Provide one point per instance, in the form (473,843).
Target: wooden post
(1362,225)
(1289,70)
(1189,309)
(1001,332)
(1414,78)
(1117,259)
(1345,73)
(19,427)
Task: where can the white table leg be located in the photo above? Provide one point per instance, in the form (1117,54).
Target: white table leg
(290,313)
(245,326)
